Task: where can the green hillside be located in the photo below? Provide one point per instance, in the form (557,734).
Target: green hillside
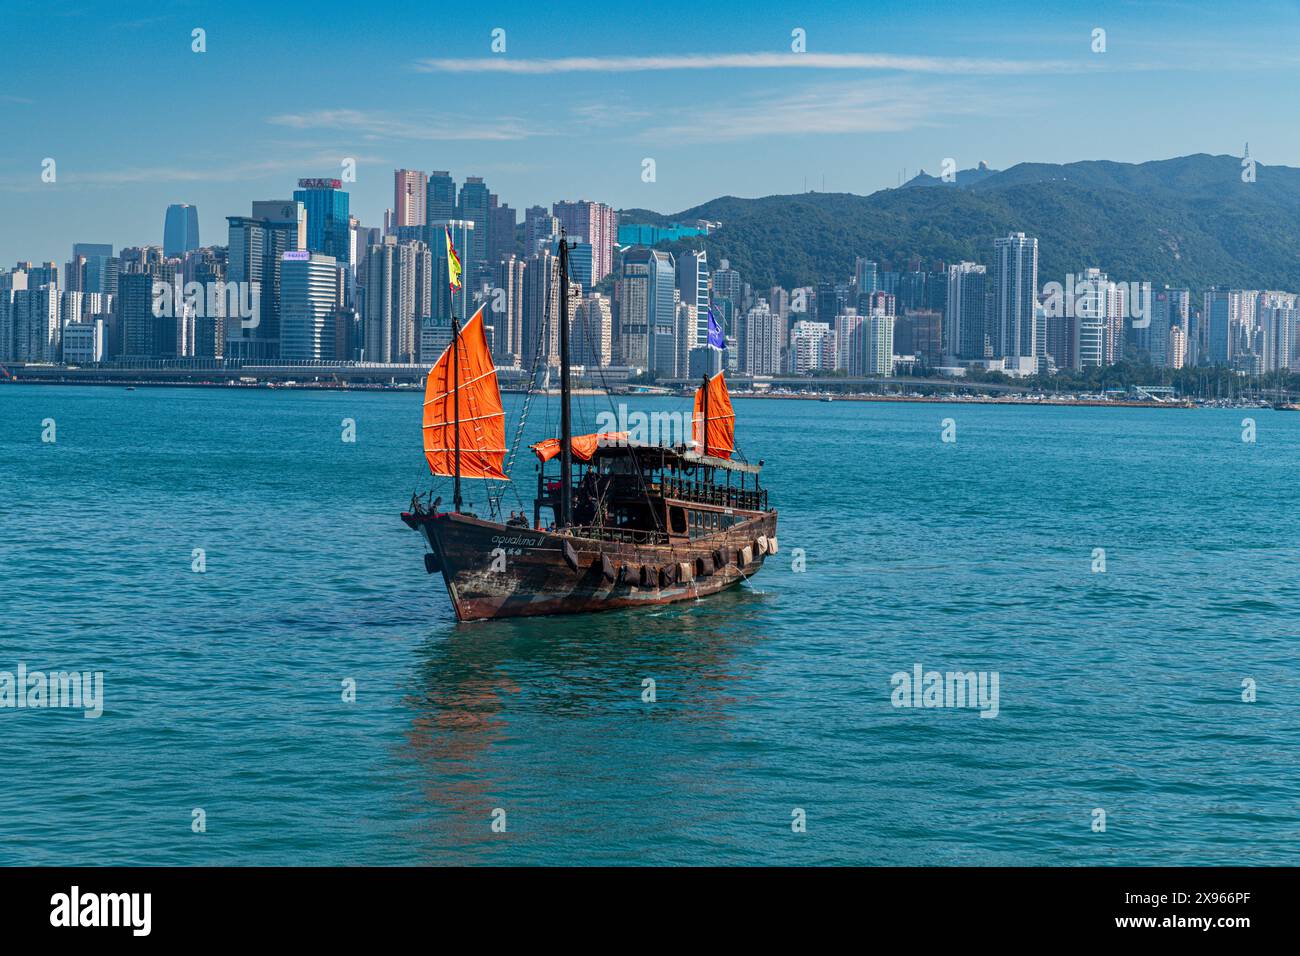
(1188,221)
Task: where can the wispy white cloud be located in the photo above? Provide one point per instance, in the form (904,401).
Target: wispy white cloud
(378,126)
(750,61)
(832,108)
(612,110)
(293,162)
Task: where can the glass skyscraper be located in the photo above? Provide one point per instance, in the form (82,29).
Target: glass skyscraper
(327,217)
(475,205)
(180,230)
(440,197)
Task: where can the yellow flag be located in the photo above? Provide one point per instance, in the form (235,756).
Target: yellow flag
(453,263)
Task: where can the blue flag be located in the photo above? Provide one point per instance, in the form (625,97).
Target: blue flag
(716,338)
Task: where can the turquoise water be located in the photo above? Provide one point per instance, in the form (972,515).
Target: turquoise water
(1119,690)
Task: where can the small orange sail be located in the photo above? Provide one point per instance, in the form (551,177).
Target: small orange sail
(720,440)
(482,418)
(584,446)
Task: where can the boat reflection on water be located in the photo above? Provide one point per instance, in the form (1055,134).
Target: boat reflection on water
(521,713)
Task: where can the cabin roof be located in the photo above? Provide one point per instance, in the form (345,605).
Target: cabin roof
(675,456)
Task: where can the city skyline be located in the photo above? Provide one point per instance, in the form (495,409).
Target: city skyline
(719,101)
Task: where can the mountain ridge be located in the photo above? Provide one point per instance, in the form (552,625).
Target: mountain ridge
(1185,221)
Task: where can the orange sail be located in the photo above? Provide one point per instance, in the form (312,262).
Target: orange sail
(720,441)
(584,446)
(482,419)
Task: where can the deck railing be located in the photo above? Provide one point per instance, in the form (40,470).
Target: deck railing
(718,495)
(623,535)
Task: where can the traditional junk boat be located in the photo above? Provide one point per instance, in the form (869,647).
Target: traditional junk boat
(633,524)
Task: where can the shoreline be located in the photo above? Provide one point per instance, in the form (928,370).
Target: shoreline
(1048,400)
(975,400)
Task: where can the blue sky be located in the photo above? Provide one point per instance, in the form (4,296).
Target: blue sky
(585,92)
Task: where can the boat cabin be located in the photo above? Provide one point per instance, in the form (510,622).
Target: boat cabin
(628,491)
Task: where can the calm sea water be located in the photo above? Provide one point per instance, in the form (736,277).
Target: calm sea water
(1119,690)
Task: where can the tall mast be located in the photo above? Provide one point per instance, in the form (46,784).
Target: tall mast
(566,427)
(455,391)
(704,428)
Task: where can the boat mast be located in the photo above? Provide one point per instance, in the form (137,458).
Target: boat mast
(566,427)
(455,391)
(704,428)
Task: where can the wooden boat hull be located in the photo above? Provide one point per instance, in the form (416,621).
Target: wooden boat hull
(494,571)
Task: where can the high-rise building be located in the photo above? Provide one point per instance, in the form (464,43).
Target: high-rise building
(1275,317)
(812,348)
(474,204)
(580,263)
(726,294)
(501,230)
(726,283)
(966,333)
(309,296)
(38,323)
(1116,310)
(92,250)
(46,273)
(436,306)
(1061,331)
(936,292)
(207,266)
(761,348)
(508,311)
(541,308)
(440,196)
(180,230)
(828,305)
(398,294)
(328,221)
(445,302)
(884,303)
(361,239)
(10,282)
(256,248)
(410,196)
(1093,305)
(779,302)
(1015,298)
(911,291)
(889,281)
(920,333)
(591,334)
(540,227)
(866,278)
(1169,308)
(648,310)
(145,259)
(878,340)
(74,274)
(1223,320)
(850,347)
(594,223)
(1177,347)
(101,269)
(693,285)
(143,333)
(684,334)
